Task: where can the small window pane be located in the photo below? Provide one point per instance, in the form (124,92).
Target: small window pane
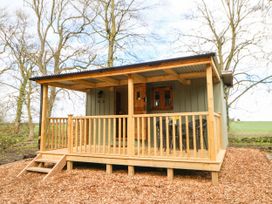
(157,99)
(167,98)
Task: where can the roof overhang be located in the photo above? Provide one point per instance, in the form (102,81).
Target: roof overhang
(181,69)
(227,77)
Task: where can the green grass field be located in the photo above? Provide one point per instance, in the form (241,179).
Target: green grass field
(251,134)
(250,128)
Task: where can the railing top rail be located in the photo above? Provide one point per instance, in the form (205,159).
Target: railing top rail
(170,114)
(217,114)
(100,116)
(53,118)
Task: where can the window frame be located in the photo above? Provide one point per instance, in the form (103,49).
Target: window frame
(162,106)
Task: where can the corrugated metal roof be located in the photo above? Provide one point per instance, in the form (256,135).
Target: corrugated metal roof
(151,63)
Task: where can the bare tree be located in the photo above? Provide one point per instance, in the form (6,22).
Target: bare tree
(18,46)
(236,37)
(64,39)
(118,25)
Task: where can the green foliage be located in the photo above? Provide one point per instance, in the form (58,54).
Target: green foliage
(8,139)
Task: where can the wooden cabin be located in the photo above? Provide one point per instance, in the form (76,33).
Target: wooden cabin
(166,114)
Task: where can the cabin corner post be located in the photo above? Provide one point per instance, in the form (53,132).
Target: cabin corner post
(44,116)
(130,129)
(70,133)
(211,123)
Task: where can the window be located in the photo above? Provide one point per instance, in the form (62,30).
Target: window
(162,98)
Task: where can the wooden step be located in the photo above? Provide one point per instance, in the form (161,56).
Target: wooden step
(47,161)
(39,169)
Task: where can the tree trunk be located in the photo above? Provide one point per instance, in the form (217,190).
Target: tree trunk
(51,100)
(19,108)
(28,105)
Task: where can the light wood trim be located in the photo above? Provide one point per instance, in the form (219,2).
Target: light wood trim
(57,168)
(114,135)
(215,71)
(85,83)
(143,135)
(94,134)
(109,80)
(155,136)
(180,135)
(194,135)
(90,134)
(30,164)
(215,180)
(175,74)
(149,135)
(99,135)
(211,138)
(130,125)
(44,117)
(174,136)
(70,133)
(201,136)
(128,71)
(69,165)
(108,168)
(161,139)
(76,134)
(167,135)
(138,78)
(124,135)
(187,136)
(104,135)
(170,174)
(170,114)
(131,171)
(119,135)
(138,135)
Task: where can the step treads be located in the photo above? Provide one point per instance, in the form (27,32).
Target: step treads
(39,169)
(54,161)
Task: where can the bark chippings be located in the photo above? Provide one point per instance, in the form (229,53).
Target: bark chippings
(246,177)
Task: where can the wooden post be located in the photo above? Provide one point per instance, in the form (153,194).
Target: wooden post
(215,179)
(108,168)
(69,165)
(44,117)
(211,142)
(70,133)
(130,128)
(221,132)
(131,171)
(170,174)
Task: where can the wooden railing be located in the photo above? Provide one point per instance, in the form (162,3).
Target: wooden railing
(182,135)
(99,134)
(163,135)
(57,137)
(217,132)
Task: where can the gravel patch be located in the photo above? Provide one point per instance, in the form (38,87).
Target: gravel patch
(246,177)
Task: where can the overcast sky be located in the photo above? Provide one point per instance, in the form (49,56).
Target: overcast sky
(166,18)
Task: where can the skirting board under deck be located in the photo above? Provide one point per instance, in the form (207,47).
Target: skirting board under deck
(205,165)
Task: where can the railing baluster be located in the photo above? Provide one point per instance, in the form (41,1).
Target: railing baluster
(138,135)
(180,135)
(76,134)
(109,135)
(155,136)
(94,134)
(104,135)
(90,133)
(99,135)
(174,135)
(167,135)
(201,135)
(187,137)
(143,135)
(124,135)
(119,135)
(161,138)
(114,135)
(148,133)
(194,135)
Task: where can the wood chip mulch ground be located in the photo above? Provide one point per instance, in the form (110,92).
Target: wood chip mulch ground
(246,177)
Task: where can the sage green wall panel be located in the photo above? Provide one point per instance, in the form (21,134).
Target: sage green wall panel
(100,106)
